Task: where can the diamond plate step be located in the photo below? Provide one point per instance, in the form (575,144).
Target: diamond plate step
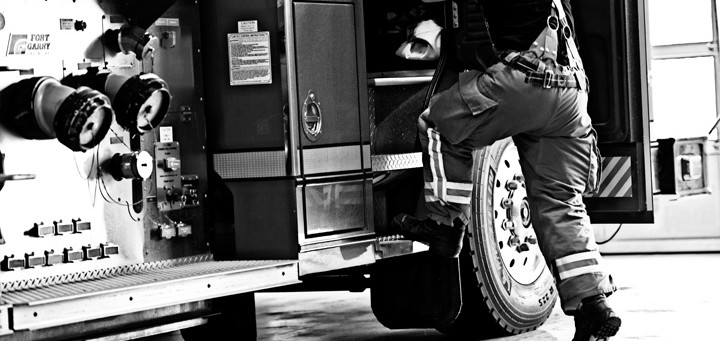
(146,288)
(389,162)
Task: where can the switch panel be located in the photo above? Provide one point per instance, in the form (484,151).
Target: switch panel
(166,231)
(61,228)
(90,253)
(31,260)
(52,258)
(190,184)
(79,226)
(109,249)
(167,175)
(71,256)
(184,230)
(40,230)
(10,263)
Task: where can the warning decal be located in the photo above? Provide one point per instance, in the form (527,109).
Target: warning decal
(616,178)
(249,55)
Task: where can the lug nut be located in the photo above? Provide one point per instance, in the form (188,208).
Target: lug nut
(512,185)
(530,239)
(523,247)
(508,224)
(506,203)
(514,241)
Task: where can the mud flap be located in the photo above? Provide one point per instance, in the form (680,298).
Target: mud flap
(416,291)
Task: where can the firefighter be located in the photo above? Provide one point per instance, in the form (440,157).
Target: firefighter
(537,93)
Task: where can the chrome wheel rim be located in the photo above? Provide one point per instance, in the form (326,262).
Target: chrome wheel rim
(514,233)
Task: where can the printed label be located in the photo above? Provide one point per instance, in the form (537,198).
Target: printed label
(29,44)
(67,24)
(249,55)
(247,26)
(166,134)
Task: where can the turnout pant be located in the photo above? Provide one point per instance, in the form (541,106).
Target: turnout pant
(558,156)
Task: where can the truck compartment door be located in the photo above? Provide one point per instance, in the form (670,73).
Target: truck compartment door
(612,41)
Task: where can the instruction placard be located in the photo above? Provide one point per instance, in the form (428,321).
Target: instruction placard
(249,54)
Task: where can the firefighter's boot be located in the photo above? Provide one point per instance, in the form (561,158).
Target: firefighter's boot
(595,320)
(444,240)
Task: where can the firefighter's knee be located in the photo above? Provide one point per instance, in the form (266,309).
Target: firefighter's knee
(423,120)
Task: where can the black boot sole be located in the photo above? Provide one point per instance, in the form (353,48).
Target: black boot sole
(443,241)
(608,329)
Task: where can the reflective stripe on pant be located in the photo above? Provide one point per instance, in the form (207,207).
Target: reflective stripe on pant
(448,187)
(558,156)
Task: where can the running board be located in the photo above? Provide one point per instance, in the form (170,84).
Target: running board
(147,288)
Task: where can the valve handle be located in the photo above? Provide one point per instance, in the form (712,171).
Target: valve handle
(13,177)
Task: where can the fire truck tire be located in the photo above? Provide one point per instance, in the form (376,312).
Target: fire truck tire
(507,288)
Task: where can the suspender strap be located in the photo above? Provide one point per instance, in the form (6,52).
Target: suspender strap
(546,44)
(572,51)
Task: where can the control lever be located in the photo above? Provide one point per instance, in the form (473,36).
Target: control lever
(11,177)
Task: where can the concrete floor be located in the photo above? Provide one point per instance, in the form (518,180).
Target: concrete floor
(673,297)
(660,297)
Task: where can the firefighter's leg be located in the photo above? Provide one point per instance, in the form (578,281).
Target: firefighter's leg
(558,170)
(479,109)
(447,171)
(448,188)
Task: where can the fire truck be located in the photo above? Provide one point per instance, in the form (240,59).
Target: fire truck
(162,161)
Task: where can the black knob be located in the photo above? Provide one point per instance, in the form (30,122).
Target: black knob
(80,25)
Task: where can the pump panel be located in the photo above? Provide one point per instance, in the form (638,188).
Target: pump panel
(84,88)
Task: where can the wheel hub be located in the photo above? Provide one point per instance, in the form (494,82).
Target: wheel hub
(513,225)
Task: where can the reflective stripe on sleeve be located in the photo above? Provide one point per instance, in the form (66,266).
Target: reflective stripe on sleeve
(578,264)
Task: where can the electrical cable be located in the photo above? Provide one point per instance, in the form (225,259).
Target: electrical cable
(94,194)
(108,197)
(611,237)
(185,217)
(120,139)
(88,174)
(126,203)
(84,175)
(119,202)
